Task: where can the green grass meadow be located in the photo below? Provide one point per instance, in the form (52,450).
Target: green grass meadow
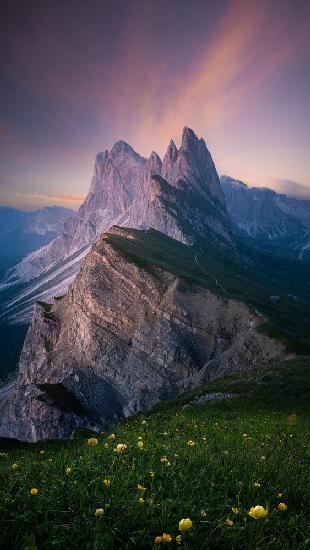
(252,449)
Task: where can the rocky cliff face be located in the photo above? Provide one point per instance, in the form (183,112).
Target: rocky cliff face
(123,338)
(274,221)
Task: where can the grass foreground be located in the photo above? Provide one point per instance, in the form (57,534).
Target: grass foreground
(130,487)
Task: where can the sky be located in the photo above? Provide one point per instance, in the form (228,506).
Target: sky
(78,75)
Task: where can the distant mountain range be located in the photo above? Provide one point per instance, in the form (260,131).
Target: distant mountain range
(23,232)
(268,220)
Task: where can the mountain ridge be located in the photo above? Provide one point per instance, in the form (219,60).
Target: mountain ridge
(124,192)
(125,337)
(272,221)
(21,232)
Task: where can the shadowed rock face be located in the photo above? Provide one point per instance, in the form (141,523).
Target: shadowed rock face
(270,220)
(122,339)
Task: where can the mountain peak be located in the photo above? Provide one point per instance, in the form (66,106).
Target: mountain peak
(172,152)
(227,180)
(154,164)
(189,138)
(122,147)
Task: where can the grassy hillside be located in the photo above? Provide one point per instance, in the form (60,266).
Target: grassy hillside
(251,449)
(249,276)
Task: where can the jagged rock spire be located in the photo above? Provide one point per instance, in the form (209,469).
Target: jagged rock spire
(154,164)
(189,138)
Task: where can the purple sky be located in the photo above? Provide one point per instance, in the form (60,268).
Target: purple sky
(78,75)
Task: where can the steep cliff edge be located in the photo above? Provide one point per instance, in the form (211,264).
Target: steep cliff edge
(125,337)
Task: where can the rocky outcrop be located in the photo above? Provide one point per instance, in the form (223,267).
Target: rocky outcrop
(125,337)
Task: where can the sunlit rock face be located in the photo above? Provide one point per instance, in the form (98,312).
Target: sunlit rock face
(122,339)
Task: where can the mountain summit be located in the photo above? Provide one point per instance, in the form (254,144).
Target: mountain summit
(180,197)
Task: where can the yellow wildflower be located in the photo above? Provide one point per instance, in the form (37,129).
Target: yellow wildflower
(34,491)
(164,459)
(141,500)
(229,522)
(282,506)
(258,512)
(99,512)
(4,455)
(158,540)
(292,419)
(106,445)
(140,445)
(120,448)
(178,539)
(166,537)
(112,436)
(106,482)
(263,457)
(92,441)
(68,470)
(14,466)
(191,443)
(234,510)
(185,524)
(256,484)
(203,513)
(141,488)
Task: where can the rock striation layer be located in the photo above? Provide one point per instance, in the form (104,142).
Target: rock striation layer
(124,338)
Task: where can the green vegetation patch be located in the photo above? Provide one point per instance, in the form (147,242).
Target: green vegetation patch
(211,463)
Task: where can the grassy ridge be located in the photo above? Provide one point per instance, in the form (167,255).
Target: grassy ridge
(247,450)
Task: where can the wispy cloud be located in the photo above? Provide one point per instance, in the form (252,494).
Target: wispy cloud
(288,187)
(75,84)
(51,198)
(245,53)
